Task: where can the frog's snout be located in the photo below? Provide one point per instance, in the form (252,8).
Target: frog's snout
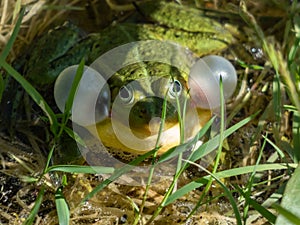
(145,116)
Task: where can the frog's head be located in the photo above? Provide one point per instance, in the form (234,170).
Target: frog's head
(139,93)
(132,102)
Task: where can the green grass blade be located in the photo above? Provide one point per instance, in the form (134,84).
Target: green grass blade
(252,66)
(35,209)
(290,108)
(118,172)
(81,169)
(218,154)
(275,58)
(62,208)
(277,98)
(262,210)
(226,190)
(275,197)
(63,7)
(291,197)
(249,186)
(12,38)
(293,51)
(75,136)
(290,218)
(34,94)
(70,100)
(49,156)
(181,148)
(225,174)
(213,143)
(280,153)
(296,136)
(154,158)
(26,85)
(179,171)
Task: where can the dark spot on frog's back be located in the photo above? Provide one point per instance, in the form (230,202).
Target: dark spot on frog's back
(111,37)
(48,49)
(59,45)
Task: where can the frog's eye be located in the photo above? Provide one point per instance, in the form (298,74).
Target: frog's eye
(126,94)
(175,89)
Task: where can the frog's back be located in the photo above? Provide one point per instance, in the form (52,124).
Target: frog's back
(166,21)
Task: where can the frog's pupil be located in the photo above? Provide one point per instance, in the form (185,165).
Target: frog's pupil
(175,89)
(176,86)
(124,93)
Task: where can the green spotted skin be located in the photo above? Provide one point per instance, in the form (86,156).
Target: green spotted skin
(63,47)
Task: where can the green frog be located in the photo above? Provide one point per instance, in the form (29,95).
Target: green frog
(165,21)
(64,46)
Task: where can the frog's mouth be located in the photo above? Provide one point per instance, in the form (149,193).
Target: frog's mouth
(141,134)
(145,116)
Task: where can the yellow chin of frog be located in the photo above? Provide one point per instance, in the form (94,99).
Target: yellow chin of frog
(120,140)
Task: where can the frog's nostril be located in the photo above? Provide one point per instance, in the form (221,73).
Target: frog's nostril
(143,111)
(96,46)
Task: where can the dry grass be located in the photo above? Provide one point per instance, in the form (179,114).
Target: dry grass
(39,15)
(111,210)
